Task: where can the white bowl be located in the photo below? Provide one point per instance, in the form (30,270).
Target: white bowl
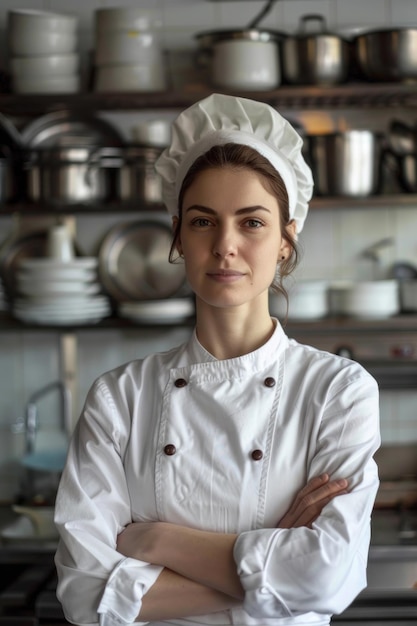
(31,21)
(124,19)
(41,43)
(130,78)
(372,299)
(51,84)
(307,300)
(123,47)
(48,65)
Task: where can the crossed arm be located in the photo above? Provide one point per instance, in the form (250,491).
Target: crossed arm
(200,573)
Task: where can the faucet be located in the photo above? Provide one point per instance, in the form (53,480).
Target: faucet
(31,413)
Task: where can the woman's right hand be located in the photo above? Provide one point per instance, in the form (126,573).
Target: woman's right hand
(310,501)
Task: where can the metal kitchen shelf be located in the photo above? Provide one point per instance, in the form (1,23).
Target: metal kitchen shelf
(28,209)
(358,94)
(330,325)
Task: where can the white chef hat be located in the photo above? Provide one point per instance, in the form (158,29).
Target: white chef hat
(221,119)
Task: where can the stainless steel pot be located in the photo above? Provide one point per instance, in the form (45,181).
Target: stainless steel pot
(10,178)
(403,150)
(317,57)
(138,179)
(387,54)
(346,163)
(241,59)
(70,175)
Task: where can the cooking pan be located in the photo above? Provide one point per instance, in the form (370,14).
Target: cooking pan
(387,54)
(315,56)
(133,261)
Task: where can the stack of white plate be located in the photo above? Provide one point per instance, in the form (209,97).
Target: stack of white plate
(43,52)
(59,293)
(169,311)
(128,55)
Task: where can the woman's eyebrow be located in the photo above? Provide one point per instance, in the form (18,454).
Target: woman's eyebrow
(242,211)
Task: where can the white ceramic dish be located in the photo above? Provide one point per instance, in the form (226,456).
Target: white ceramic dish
(372,299)
(39,42)
(56,273)
(158,311)
(69,299)
(47,66)
(59,320)
(121,47)
(46,84)
(77,263)
(33,21)
(128,18)
(69,287)
(130,78)
(59,307)
(307,300)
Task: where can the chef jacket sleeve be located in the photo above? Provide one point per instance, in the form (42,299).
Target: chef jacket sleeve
(285,572)
(95,582)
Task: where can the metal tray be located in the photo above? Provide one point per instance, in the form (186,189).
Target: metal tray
(133,262)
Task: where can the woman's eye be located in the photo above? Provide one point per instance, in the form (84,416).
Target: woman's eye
(254,223)
(200,221)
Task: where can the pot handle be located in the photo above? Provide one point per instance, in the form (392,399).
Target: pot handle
(102,157)
(313,17)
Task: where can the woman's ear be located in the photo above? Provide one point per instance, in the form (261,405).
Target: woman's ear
(286,248)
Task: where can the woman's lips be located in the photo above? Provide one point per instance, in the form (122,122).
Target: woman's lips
(225,276)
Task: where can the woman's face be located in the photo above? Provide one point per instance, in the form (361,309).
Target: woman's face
(230,237)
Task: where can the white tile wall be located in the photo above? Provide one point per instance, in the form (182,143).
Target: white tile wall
(332,239)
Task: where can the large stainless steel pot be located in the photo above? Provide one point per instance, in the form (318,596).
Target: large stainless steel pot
(346,163)
(138,179)
(317,57)
(241,59)
(387,54)
(71,175)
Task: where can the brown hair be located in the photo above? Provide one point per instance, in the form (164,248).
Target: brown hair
(241,156)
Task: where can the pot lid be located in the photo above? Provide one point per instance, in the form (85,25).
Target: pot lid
(74,154)
(133,261)
(67,128)
(208,38)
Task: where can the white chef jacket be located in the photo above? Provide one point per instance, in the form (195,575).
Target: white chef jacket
(223,446)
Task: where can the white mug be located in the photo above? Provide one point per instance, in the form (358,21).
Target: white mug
(59,244)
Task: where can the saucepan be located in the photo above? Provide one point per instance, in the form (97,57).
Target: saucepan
(242,58)
(346,163)
(314,55)
(387,54)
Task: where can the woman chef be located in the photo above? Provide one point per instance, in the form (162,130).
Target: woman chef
(229,480)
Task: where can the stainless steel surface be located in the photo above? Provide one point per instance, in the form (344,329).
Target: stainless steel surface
(67,128)
(133,261)
(346,163)
(137,179)
(315,57)
(67,175)
(388,54)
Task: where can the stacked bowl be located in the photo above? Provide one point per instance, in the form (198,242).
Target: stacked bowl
(128,55)
(43,52)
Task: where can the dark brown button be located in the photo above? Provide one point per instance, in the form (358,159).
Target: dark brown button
(170,449)
(180,382)
(257,455)
(269,382)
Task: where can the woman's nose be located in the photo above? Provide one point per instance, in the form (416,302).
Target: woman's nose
(224,244)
